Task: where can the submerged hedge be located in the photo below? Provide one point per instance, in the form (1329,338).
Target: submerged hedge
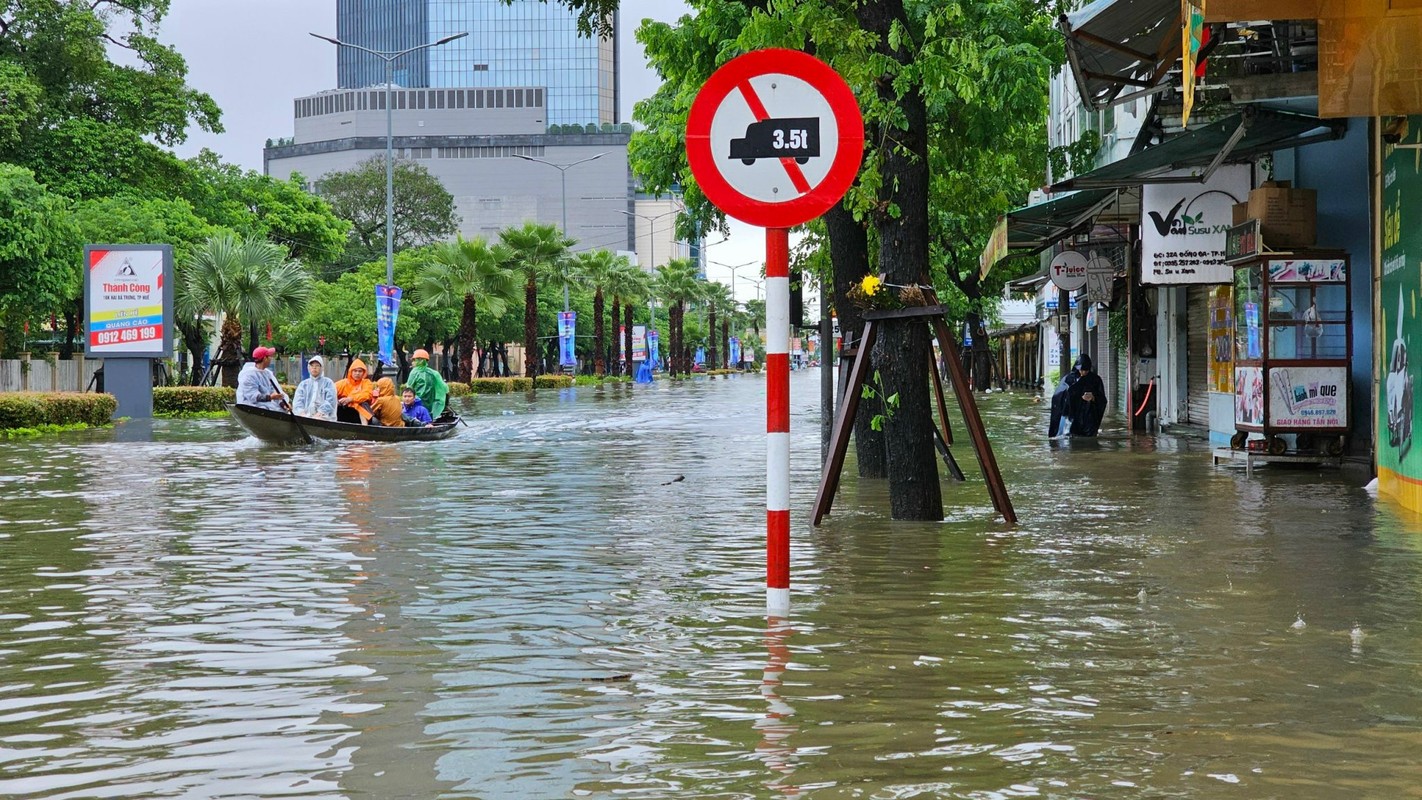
(36,409)
(191,399)
(499,385)
(553,381)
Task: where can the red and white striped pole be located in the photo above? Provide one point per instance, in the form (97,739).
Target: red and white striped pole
(777,420)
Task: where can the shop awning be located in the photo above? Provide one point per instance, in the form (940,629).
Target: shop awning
(1121,49)
(1252,132)
(1040,226)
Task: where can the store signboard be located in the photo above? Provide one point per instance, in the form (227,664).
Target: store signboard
(639,342)
(1221,368)
(1400,324)
(1308,397)
(1308,270)
(1183,227)
(128,301)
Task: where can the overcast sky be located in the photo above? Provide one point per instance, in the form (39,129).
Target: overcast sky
(255,56)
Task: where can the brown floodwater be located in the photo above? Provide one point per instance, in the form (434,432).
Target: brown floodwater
(535,609)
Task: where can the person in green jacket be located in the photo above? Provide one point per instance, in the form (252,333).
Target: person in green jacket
(428,385)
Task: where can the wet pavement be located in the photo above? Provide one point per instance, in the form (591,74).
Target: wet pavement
(532,610)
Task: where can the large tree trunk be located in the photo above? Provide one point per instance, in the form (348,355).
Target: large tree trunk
(251,336)
(902,353)
(849,256)
(72,315)
(530,327)
(599,355)
(229,351)
(725,344)
(615,365)
(468,335)
(711,360)
(627,338)
(981,352)
(191,331)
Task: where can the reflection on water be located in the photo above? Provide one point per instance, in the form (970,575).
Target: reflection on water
(531,611)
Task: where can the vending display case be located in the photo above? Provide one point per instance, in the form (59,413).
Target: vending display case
(1293,339)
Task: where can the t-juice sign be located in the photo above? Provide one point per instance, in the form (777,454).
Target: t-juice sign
(128,301)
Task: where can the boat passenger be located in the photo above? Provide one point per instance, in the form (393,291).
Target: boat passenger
(428,385)
(386,406)
(353,395)
(414,410)
(257,385)
(316,396)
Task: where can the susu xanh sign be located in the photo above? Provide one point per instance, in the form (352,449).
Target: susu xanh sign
(128,301)
(1184,227)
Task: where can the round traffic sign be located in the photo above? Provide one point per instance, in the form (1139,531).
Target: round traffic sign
(1068,270)
(775,138)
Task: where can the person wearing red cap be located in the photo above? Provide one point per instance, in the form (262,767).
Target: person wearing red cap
(428,385)
(257,385)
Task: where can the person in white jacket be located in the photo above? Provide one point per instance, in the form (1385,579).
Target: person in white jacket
(257,386)
(316,396)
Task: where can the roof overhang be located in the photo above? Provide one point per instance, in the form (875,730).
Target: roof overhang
(1252,132)
(1035,228)
(1121,49)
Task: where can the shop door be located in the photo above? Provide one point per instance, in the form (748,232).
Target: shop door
(1197,354)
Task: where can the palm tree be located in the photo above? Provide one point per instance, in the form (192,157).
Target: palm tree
(597,267)
(540,252)
(628,285)
(717,296)
(470,274)
(676,283)
(248,279)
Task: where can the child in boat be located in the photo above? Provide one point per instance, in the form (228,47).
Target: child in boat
(386,405)
(414,410)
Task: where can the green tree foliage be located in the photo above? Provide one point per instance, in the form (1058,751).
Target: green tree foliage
(629,286)
(598,267)
(39,263)
(243,280)
(468,275)
(71,97)
(424,209)
(540,252)
(676,285)
(254,204)
(343,310)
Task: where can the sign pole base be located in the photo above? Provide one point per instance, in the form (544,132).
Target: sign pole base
(130,381)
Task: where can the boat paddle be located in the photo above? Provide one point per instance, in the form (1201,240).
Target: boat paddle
(290,412)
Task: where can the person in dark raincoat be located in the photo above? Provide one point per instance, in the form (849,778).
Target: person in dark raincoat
(1086,399)
(1061,404)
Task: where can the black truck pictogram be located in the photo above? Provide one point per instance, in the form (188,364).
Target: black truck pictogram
(786,137)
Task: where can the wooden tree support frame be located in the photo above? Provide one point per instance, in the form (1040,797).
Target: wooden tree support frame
(849,407)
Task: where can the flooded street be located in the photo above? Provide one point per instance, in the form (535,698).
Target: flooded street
(536,609)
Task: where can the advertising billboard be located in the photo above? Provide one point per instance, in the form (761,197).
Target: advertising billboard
(128,300)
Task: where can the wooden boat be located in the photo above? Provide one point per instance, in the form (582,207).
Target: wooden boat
(279,427)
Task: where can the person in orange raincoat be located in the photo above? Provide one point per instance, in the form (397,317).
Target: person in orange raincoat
(387,407)
(354,394)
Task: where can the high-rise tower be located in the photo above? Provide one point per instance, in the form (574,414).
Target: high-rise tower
(526,43)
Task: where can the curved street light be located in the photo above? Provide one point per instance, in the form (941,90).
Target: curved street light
(563,174)
(389,56)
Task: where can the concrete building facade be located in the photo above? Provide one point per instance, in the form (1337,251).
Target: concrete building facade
(471,139)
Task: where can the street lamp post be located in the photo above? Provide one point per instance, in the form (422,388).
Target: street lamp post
(734,270)
(757,283)
(563,173)
(389,56)
(651,232)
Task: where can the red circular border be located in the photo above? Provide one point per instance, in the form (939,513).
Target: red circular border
(847,158)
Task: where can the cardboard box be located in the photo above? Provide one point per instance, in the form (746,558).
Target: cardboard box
(1288,217)
(1240,213)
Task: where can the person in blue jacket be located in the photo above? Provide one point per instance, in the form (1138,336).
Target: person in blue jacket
(414,410)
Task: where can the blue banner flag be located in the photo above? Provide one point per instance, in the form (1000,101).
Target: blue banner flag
(567,328)
(735,351)
(653,356)
(700,356)
(387,313)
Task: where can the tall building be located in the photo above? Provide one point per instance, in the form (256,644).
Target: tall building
(525,43)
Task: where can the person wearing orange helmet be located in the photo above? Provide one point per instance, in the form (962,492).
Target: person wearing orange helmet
(428,385)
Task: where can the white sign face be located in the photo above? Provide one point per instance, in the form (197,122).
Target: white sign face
(1100,273)
(748,147)
(1183,227)
(1308,397)
(1068,270)
(128,301)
